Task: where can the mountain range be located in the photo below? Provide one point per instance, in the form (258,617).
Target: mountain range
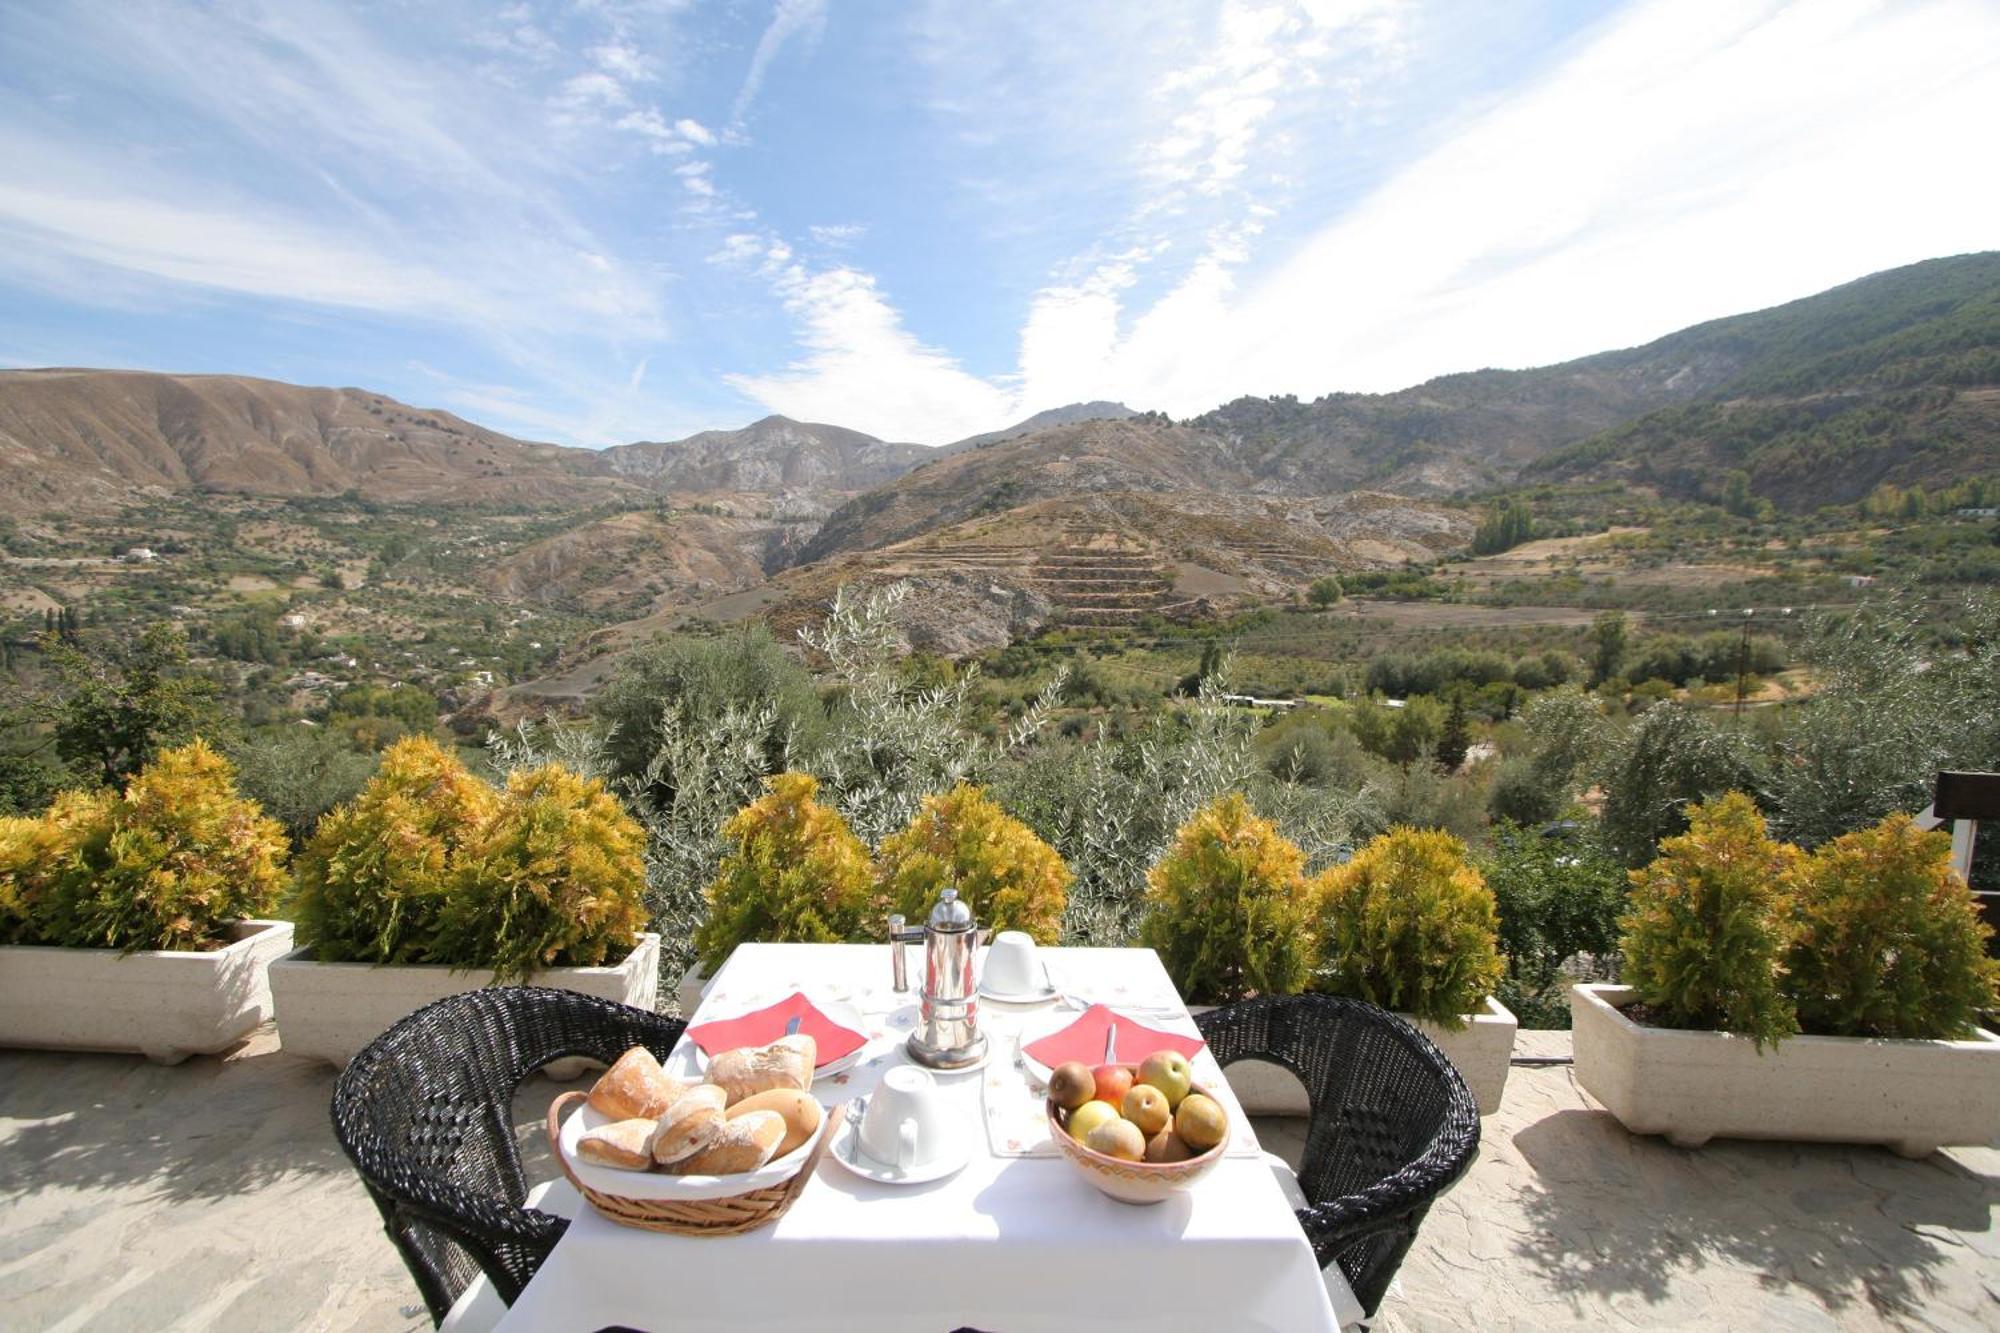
(1099,512)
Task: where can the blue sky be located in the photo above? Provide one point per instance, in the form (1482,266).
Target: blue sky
(608,220)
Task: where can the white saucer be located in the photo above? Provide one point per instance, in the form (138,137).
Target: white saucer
(1042,996)
(846,1149)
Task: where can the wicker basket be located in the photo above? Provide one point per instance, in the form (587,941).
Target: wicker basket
(695,1217)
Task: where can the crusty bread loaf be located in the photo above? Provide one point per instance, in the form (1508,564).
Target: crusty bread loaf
(744,1144)
(635,1087)
(786,1063)
(623,1143)
(802,1114)
(686,1127)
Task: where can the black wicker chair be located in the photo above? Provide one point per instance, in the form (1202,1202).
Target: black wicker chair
(425,1112)
(1392,1123)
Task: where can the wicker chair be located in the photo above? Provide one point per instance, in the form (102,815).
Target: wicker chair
(425,1113)
(1392,1123)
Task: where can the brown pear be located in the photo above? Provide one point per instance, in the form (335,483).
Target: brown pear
(1166,1146)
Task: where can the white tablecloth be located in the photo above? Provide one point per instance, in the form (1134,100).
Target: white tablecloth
(1009,1243)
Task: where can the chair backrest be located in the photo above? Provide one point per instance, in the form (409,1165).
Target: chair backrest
(1391,1118)
(425,1113)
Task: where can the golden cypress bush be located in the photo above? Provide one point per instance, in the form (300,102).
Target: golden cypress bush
(1228,908)
(556,878)
(166,866)
(1410,924)
(35,852)
(1890,943)
(793,873)
(373,881)
(1708,925)
(1010,878)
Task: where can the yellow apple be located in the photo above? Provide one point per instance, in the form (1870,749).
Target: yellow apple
(1088,1117)
(1169,1072)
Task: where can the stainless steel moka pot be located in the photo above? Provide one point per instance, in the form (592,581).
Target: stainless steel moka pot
(947,1035)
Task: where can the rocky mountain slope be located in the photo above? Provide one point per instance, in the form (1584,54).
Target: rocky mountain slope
(1882,378)
(1099,410)
(1894,378)
(775,457)
(103,437)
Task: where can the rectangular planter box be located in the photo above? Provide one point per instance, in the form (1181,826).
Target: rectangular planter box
(163,1004)
(1481,1050)
(1912,1096)
(329,1011)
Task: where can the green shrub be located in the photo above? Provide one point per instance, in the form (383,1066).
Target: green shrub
(1890,943)
(556,878)
(1708,925)
(298,774)
(374,879)
(699,682)
(1559,901)
(1671,758)
(1228,907)
(1010,878)
(794,873)
(166,866)
(1563,729)
(1409,924)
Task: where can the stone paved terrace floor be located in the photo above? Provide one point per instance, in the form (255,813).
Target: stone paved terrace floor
(212,1196)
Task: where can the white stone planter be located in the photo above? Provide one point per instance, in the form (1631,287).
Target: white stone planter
(694,985)
(1482,1051)
(1913,1096)
(329,1011)
(160,1003)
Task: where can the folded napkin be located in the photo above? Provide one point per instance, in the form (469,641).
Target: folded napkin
(766,1025)
(1084,1040)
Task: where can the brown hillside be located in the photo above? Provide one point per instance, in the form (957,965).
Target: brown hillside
(84,436)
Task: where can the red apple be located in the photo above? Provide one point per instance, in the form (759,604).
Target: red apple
(1113,1082)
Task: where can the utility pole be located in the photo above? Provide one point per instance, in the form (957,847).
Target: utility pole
(1742,663)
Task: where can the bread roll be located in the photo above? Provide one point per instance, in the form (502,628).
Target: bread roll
(802,1114)
(635,1088)
(786,1063)
(744,1144)
(623,1144)
(686,1127)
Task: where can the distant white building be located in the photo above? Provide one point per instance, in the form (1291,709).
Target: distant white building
(140,555)
(1860,580)
(292,620)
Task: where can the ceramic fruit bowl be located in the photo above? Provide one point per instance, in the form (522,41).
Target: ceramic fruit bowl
(1127,1181)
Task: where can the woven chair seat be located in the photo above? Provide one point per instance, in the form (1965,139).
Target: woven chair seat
(1392,1123)
(425,1113)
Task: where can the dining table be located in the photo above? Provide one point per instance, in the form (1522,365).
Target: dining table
(1017,1239)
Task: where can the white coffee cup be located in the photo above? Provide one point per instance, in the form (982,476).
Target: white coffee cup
(1011,965)
(907,1123)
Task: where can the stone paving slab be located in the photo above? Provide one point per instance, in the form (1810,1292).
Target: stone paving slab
(212,1196)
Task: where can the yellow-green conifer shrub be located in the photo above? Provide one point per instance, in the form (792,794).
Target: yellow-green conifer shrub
(374,878)
(1010,878)
(1890,943)
(556,878)
(170,863)
(1410,924)
(794,873)
(1708,925)
(35,852)
(1228,907)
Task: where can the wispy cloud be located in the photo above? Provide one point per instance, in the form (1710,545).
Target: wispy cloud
(860,367)
(794,20)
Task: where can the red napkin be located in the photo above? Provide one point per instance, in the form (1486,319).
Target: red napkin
(1084,1040)
(766,1025)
